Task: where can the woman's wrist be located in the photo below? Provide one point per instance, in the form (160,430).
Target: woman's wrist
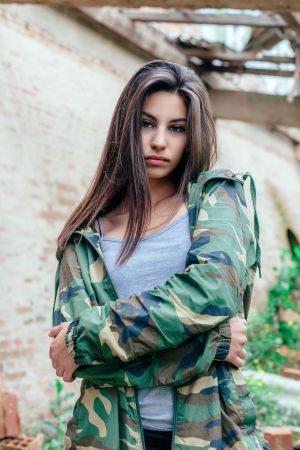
(224,341)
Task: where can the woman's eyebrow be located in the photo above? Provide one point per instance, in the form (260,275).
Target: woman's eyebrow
(178,119)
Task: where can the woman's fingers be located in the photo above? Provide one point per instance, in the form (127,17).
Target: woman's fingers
(68,376)
(51,350)
(61,360)
(238,321)
(60,371)
(54,331)
(54,363)
(238,362)
(65,374)
(243,339)
(242,353)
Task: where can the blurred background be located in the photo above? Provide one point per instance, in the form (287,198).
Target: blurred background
(62,70)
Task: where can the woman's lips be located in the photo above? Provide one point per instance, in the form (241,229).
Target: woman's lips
(156,161)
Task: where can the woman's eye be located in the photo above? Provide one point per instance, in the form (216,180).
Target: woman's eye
(177,128)
(146,124)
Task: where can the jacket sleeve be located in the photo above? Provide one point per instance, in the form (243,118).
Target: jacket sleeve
(195,301)
(173,366)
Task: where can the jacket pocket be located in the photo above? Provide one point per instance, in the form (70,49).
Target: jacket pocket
(235,398)
(247,405)
(70,434)
(94,416)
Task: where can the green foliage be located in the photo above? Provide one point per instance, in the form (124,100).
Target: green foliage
(54,428)
(269,413)
(270,333)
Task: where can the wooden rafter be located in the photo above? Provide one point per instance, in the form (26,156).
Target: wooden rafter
(137,36)
(231,56)
(290,133)
(295,92)
(268,38)
(281,6)
(263,39)
(185,16)
(260,39)
(252,107)
(156,45)
(241,70)
(292,23)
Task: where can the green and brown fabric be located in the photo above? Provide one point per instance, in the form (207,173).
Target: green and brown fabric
(174,334)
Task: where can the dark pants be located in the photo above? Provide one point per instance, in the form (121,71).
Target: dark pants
(158,440)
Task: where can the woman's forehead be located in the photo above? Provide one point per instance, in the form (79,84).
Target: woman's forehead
(164,103)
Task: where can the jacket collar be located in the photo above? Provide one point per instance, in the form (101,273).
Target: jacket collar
(194,194)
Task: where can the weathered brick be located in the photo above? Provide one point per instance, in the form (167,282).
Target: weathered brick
(279,438)
(23,443)
(9,415)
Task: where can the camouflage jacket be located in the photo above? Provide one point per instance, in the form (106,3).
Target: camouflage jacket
(174,334)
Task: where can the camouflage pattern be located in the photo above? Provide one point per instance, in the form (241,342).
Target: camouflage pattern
(174,334)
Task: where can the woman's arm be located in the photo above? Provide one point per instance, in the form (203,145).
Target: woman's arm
(169,367)
(197,300)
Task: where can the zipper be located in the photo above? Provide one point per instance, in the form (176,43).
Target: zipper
(175,419)
(197,188)
(139,418)
(256,223)
(99,252)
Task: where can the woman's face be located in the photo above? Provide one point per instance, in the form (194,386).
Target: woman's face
(163,133)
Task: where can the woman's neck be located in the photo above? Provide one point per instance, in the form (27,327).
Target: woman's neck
(163,197)
(161,190)
(166,205)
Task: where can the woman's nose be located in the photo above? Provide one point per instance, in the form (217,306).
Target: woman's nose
(159,140)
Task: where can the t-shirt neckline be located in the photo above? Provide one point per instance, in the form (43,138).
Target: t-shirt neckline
(149,236)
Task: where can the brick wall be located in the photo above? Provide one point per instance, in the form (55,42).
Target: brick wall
(59,81)
(271,159)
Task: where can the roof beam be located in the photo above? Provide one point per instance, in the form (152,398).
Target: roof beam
(292,23)
(240,70)
(137,36)
(231,56)
(188,16)
(263,39)
(271,110)
(281,6)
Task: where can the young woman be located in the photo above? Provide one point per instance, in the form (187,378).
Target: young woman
(154,265)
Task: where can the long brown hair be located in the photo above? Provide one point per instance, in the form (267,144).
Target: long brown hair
(121,173)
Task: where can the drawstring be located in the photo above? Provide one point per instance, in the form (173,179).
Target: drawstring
(256,224)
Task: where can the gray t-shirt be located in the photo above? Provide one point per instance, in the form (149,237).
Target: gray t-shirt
(156,258)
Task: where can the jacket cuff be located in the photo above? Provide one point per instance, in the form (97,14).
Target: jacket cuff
(71,342)
(223,341)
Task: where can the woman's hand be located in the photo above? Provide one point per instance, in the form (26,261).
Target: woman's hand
(64,364)
(62,361)
(237,354)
